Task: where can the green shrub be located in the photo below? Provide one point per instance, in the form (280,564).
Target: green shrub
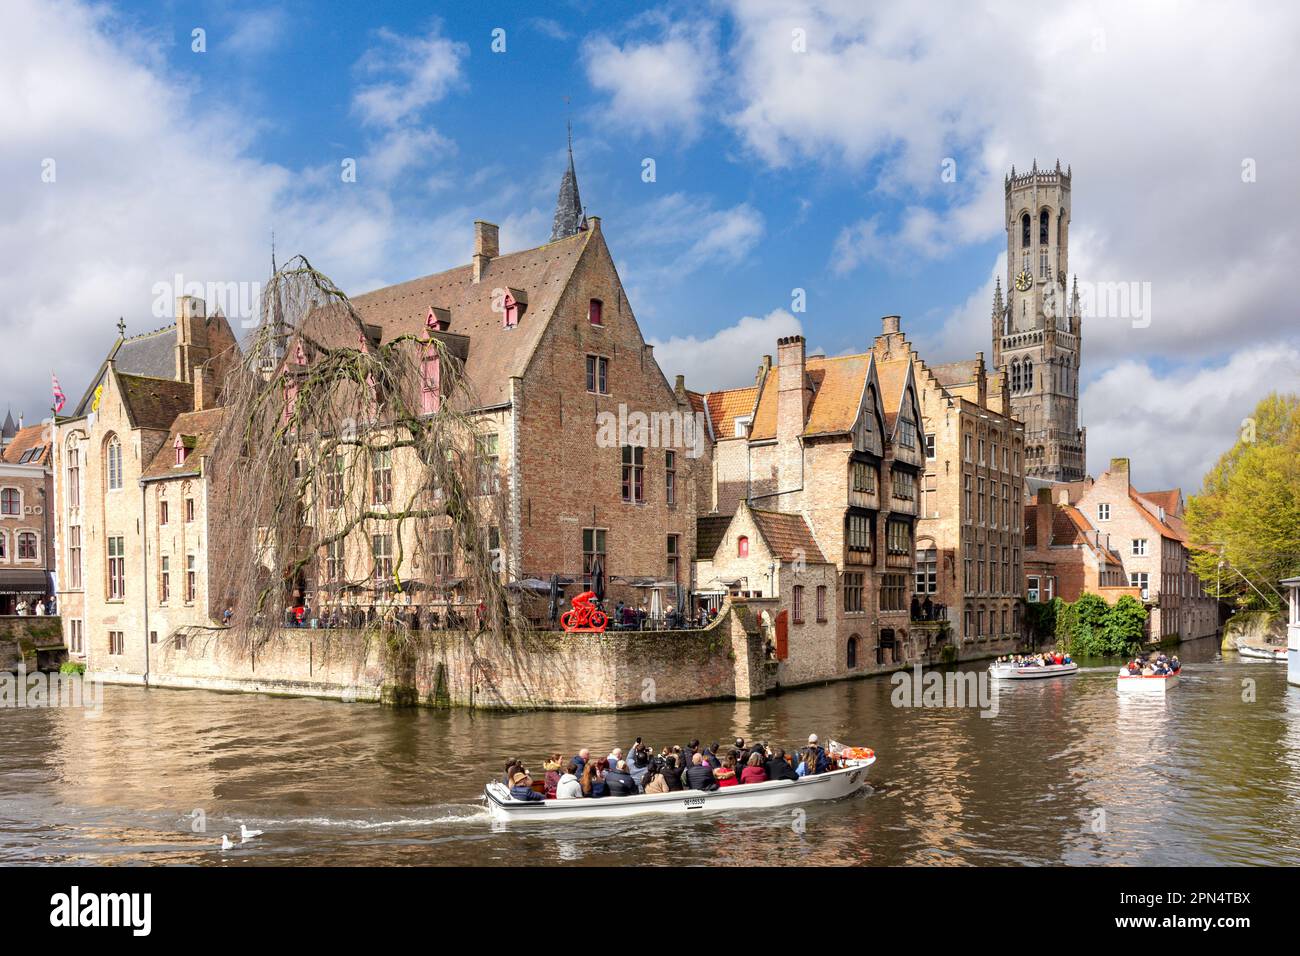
(72,667)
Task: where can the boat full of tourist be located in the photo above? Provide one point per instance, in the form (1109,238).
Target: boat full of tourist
(683,780)
(1256,653)
(1033,666)
(1153,675)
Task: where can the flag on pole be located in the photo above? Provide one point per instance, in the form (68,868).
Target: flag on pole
(59,398)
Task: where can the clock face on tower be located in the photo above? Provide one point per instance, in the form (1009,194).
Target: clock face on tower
(1024,281)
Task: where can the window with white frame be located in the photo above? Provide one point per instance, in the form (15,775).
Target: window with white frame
(1103,512)
(1140,547)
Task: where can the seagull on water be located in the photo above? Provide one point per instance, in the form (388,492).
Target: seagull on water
(226,844)
(246,834)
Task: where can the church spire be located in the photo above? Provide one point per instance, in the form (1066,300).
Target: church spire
(569,219)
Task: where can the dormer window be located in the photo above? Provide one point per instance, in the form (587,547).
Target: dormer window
(513,305)
(595,312)
(182,446)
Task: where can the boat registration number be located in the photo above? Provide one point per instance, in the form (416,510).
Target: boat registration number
(694,803)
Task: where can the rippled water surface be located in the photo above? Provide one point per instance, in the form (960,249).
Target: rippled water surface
(1066,773)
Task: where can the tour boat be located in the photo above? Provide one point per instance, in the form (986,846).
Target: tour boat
(1012,671)
(851,777)
(1146,683)
(1262,653)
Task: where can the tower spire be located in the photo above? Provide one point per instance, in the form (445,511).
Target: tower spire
(569,220)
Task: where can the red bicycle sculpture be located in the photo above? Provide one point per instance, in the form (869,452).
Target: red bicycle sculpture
(584,617)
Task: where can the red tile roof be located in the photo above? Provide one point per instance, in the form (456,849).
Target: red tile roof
(727,405)
(27,439)
(788,536)
(199,431)
(837,385)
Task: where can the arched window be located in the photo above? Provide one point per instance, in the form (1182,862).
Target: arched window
(1027,380)
(1044,219)
(1060,229)
(852,654)
(4,545)
(74,475)
(11,501)
(113,457)
(742,547)
(26,546)
(1015,375)
(1024,231)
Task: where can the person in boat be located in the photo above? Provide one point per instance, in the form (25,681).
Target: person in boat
(699,776)
(620,782)
(1058,658)
(754,771)
(656,778)
(638,763)
(553,773)
(513,764)
(593,780)
(814,757)
(778,768)
(672,773)
(1175,664)
(581,759)
(569,787)
(615,756)
(521,786)
(711,755)
(725,774)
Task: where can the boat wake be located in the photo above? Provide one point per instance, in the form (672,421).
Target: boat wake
(442,815)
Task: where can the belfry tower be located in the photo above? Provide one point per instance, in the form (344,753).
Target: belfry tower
(1037,334)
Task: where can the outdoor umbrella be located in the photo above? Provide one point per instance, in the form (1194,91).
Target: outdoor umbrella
(598,579)
(656,605)
(554,609)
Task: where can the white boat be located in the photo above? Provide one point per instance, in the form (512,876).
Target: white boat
(747,796)
(1263,653)
(1146,683)
(1011,671)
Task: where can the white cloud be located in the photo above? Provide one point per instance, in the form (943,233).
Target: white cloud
(427,68)
(1174,425)
(1120,92)
(255,31)
(655,85)
(679,233)
(728,358)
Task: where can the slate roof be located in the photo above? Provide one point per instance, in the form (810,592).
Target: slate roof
(31,438)
(788,536)
(568,219)
(709,532)
(199,431)
(495,353)
(154,402)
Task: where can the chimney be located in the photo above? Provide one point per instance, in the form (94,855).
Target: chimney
(763,368)
(486,246)
(1062,496)
(205,388)
(1119,466)
(791,399)
(890,324)
(191,336)
(1043,518)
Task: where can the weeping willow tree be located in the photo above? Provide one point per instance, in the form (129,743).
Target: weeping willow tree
(352,475)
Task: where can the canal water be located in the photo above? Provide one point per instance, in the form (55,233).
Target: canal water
(1067,772)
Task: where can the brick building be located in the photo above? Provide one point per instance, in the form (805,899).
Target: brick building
(552,353)
(969,538)
(27,552)
(1145,546)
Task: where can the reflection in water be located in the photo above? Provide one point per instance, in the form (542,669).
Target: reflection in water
(1068,772)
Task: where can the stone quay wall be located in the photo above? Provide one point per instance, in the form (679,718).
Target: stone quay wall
(36,642)
(550,670)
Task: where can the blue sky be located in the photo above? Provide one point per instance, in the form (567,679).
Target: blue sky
(796,145)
